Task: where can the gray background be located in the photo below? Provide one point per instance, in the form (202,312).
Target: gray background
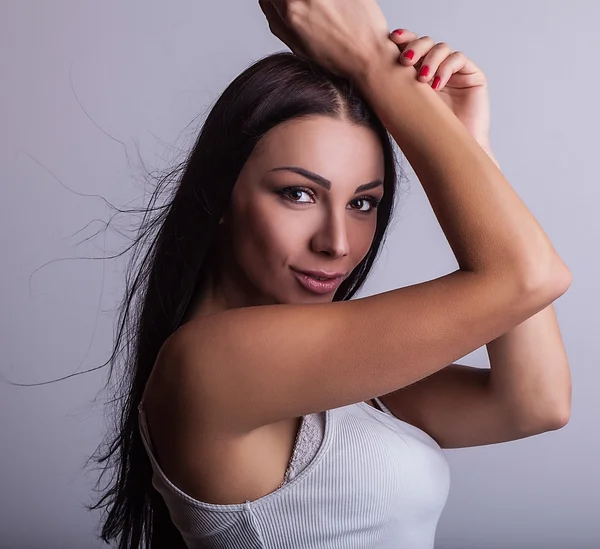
(79,75)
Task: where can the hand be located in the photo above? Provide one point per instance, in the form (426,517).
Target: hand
(462,85)
(340,35)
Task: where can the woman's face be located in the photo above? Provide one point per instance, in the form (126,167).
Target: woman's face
(276,230)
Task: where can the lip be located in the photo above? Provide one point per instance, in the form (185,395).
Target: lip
(317,286)
(320,274)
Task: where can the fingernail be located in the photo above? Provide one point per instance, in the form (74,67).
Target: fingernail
(398,32)
(410,54)
(424,71)
(436,82)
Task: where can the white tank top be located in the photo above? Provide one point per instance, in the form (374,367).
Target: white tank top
(358,478)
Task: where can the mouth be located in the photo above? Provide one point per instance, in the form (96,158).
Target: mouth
(318,284)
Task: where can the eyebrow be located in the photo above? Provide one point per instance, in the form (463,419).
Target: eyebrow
(325,183)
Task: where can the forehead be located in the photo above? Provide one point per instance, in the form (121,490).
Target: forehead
(329,146)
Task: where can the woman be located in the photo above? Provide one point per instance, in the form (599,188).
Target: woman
(250,415)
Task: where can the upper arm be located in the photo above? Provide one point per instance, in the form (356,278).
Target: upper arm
(249,367)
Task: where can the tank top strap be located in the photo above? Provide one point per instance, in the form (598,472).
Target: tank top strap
(376,404)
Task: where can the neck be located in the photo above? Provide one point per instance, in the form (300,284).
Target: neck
(224,286)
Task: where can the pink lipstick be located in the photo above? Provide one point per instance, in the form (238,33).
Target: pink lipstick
(316,286)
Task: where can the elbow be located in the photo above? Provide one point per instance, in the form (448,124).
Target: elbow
(560,420)
(552,280)
(555,420)
(560,278)
(552,419)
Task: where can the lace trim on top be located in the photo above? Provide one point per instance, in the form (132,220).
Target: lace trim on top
(308,440)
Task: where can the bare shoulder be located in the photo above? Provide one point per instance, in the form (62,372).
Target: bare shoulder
(208,464)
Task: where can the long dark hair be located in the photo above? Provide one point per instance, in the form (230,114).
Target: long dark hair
(179,234)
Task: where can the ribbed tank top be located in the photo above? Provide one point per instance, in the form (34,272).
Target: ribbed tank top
(358,478)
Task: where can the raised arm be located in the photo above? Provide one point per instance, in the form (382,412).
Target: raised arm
(244,368)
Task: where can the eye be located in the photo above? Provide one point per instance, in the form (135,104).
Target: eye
(371,200)
(289,191)
(295,190)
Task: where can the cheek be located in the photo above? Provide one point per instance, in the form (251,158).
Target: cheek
(262,241)
(361,238)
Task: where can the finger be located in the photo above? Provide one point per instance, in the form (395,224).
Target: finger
(402,36)
(432,61)
(456,62)
(414,50)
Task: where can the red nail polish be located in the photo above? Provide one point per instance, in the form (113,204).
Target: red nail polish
(424,71)
(436,82)
(410,54)
(398,32)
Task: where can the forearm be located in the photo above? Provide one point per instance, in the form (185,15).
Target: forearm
(487,225)
(488,149)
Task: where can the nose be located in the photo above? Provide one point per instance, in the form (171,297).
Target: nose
(332,238)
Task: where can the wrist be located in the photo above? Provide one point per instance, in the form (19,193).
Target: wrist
(378,63)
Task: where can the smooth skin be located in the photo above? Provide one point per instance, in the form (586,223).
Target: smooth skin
(230,386)
(280,220)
